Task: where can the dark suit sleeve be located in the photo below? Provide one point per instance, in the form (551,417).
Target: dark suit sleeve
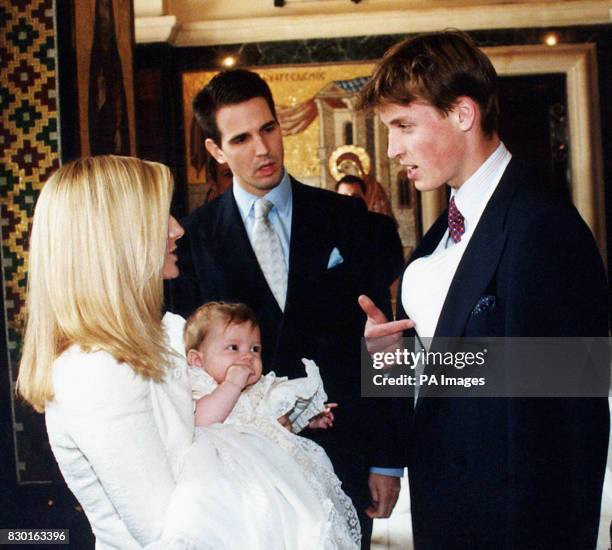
(559,445)
(387,248)
(381,416)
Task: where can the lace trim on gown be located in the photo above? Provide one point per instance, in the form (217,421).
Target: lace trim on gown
(259,407)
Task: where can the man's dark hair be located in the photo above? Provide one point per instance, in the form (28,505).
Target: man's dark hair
(437,68)
(228,88)
(352,180)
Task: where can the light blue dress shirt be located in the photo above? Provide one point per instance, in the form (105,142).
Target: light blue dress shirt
(280,214)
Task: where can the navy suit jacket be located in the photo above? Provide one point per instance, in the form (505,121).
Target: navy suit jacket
(513,473)
(322,319)
(388,242)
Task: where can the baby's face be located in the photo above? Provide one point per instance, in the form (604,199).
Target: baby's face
(229,345)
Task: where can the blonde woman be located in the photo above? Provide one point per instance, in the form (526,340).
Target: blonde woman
(97,357)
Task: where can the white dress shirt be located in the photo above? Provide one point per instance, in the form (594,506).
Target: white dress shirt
(427,279)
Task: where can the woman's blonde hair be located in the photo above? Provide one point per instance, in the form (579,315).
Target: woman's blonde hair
(97,251)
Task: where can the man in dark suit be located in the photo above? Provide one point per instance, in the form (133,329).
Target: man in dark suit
(509,258)
(383,230)
(300,257)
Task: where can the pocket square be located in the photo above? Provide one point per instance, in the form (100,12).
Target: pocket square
(485,303)
(335,258)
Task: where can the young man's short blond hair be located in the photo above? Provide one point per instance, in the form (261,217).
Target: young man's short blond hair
(200,322)
(436,68)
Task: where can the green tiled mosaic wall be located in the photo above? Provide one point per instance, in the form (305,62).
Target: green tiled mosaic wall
(29,142)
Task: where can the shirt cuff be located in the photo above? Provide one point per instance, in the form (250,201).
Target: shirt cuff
(395,472)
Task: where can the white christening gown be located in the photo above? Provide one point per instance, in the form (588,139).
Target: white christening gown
(250,483)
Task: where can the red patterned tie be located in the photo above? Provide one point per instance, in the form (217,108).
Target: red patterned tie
(456,221)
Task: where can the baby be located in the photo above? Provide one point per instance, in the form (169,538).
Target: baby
(279,489)
(224,340)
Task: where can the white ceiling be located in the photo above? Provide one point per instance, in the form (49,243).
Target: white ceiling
(210,22)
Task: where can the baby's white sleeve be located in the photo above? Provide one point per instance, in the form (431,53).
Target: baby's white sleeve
(302,398)
(104,435)
(201,382)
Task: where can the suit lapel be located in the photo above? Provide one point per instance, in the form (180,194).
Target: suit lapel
(307,253)
(236,254)
(476,268)
(479,261)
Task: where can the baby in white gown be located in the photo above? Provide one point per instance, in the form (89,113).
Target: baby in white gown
(248,480)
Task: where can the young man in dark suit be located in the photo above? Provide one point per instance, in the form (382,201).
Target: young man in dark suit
(300,257)
(510,258)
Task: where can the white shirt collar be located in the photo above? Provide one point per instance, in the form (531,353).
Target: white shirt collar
(280,197)
(472,197)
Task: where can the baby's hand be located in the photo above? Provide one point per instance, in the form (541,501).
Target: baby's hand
(323,420)
(238,375)
(285,422)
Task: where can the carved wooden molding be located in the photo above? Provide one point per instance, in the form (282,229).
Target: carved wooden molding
(328,22)
(155,29)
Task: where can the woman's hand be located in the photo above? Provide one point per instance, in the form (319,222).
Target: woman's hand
(323,420)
